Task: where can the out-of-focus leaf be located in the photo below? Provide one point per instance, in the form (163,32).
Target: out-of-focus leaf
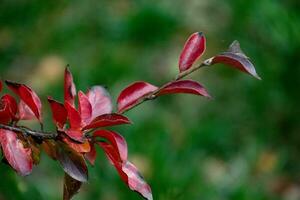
(133,93)
(29,97)
(236,58)
(59,112)
(15,153)
(71,187)
(25,113)
(73,116)
(5,115)
(91,155)
(85,108)
(50,148)
(192,50)
(78,147)
(72,162)
(184,86)
(127,171)
(69,87)
(100,101)
(118,142)
(1,85)
(107,120)
(35,150)
(12,104)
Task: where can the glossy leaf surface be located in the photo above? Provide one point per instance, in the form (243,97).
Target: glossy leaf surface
(184,86)
(192,50)
(133,93)
(59,113)
(85,108)
(107,120)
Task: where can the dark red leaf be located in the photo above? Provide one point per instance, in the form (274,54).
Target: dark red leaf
(29,97)
(132,94)
(127,171)
(184,86)
(85,108)
(1,86)
(8,109)
(91,156)
(73,116)
(50,148)
(15,153)
(107,120)
(118,142)
(69,87)
(25,113)
(100,101)
(59,113)
(78,147)
(71,187)
(236,58)
(192,50)
(72,162)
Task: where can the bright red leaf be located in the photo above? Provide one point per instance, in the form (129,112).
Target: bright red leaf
(133,93)
(15,153)
(236,58)
(127,171)
(25,113)
(69,87)
(73,116)
(29,97)
(100,101)
(85,108)
(118,142)
(184,86)
(59,112)
(192,50)
(107,120)
(12,104)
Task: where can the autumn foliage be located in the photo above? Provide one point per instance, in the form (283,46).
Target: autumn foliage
(80,128)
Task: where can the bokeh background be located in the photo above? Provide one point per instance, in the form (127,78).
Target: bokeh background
(242,145)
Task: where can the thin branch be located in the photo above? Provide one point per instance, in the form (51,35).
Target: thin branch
(26,131)
(181,75)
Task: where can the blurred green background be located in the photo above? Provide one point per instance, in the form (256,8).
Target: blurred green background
(242,145)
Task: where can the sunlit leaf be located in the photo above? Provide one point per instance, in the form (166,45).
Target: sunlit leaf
(133,93)
(192,50)
(100,101)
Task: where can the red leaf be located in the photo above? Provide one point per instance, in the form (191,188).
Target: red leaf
(78,147)
(85,108)
(25,113)
(192,50)
(132,94)
(29,97)
(236,58)
(59,112)
(16,154)
(75,134)
(1,86)
(69,87)
(91,156)
(127,171)
(107,120)
(12,104)
(74,116)
(8,109)
(184,86)
(100,101)
(118,142)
